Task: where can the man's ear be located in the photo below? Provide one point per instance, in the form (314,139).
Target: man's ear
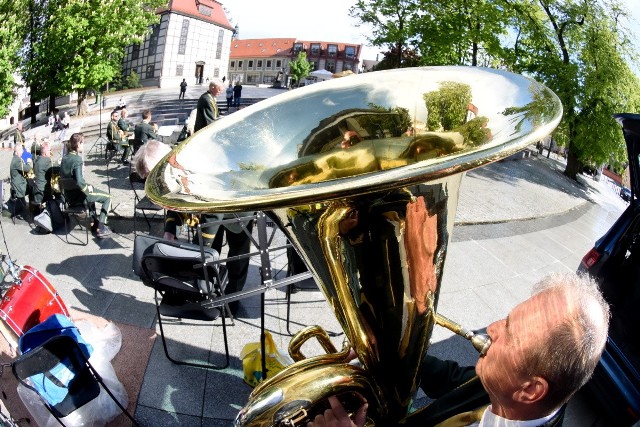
(532,390)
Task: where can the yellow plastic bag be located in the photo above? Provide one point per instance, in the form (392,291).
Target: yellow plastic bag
(251,357)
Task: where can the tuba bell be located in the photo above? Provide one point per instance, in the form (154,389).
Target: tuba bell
(362,174)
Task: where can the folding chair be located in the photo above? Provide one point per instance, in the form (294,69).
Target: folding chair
(142,204)
(76,211)
(185,278)
(58,370)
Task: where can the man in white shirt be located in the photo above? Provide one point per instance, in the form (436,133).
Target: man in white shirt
(541,354)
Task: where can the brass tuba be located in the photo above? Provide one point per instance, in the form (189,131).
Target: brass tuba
(362,174)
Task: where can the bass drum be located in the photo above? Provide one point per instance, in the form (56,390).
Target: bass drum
(31,300)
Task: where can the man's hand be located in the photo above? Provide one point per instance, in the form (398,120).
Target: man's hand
(338,417)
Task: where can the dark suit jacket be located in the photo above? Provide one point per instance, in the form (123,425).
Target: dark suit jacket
(207,111)
(18,169)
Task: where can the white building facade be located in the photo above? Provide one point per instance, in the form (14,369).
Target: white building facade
(192,42)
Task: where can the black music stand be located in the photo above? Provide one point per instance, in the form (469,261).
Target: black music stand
(100,139)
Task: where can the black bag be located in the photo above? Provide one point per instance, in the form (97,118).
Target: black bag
(43,221)
(57,220)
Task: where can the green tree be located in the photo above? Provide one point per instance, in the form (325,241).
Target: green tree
(85,40)
(12,27)
(300,67)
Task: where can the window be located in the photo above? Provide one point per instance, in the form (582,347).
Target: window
(135,51)
(250,64)
(153,39)
(233,64)
(314,65)
(330,66)
(297,47)
(253,78)
(350,51)
(204,10)
(268,63)
(278,63)
(184,32)
(219,47)
(240,65)
(259,63)
(179,69)
(268,79)
(216,72)
(332,50)
(315,49)
(347,66)
(150,71)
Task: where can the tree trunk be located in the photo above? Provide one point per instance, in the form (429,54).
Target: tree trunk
(52,103)
(573,165)
(33,111)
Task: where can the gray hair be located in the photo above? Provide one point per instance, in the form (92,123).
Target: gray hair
(571,350)
(149,155)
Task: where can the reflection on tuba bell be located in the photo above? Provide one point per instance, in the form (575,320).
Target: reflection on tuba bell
(362,175)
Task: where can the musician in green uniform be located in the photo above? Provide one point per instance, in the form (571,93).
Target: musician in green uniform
(18,171)
(43,168)
(126,131)
(114,135)
(71,167)
(144,130)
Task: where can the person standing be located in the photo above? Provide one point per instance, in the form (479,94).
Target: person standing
(71,167)
(207,111)
(237,94)
(183,89)
(229,93)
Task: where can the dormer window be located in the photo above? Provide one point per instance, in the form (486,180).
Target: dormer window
(204,9)
(332,50)
(297,47)
(350,51)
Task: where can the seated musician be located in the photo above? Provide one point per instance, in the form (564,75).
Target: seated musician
(115,135)
(545,350)
(71,167)
(144,131)
(18,171)
(42,168)
(126,130)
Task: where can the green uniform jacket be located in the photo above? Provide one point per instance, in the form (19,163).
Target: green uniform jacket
(207,111)
(71,167)
(144,132)
(113,132)
(18,170)
(123,125)
(42,169)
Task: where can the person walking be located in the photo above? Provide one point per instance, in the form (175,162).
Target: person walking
(229,93)
(183,89)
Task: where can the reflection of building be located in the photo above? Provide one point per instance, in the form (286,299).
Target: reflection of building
(259,61)
(191,41)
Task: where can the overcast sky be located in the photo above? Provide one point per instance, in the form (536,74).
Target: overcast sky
(326,20)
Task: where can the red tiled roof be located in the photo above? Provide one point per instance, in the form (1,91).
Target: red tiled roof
(260,48)
(190,8)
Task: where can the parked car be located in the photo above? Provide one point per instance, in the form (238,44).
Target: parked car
(625,193)
(614,262)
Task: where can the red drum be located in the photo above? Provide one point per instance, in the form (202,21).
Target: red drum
(29,302)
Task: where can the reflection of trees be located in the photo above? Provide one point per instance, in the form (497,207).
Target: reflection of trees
(447,110)
(541,106)
(447,107)
(402,115)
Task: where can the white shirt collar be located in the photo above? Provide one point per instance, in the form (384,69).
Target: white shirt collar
(489,419)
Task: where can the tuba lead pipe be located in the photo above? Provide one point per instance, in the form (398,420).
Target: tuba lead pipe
(480,342)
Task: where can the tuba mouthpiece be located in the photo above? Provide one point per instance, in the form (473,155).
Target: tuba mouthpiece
(480,342)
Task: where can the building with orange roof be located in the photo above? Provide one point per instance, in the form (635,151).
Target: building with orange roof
(192,42)
(266,61)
